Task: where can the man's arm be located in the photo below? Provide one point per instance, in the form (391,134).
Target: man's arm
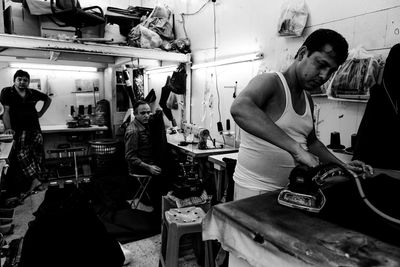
(7,121)
(316,147)
(45,106)
(247,111)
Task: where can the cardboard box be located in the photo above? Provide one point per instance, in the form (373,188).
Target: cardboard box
(49,29)
(19,21)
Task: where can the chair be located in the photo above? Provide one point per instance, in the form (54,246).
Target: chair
(144,181)
(70,14)
(177,222)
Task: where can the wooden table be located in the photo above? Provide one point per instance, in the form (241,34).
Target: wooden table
(61,128)
(265,233)
(200,156)
(221,179)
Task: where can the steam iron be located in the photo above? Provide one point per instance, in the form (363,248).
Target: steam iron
(303,191)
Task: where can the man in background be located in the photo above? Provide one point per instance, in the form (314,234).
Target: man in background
(275,112)
(140,153)
(21,119)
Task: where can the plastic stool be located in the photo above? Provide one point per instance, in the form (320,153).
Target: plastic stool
(177,222)
(144,181)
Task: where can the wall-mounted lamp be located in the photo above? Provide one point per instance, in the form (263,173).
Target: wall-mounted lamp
(51,67)
(232,60)
(170,68)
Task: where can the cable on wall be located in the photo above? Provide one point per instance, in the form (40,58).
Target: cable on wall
(191,14)
(216,72)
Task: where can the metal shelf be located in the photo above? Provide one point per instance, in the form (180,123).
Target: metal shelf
(113,53)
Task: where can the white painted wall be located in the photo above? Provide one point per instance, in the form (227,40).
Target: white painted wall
(248,26)
(61,84)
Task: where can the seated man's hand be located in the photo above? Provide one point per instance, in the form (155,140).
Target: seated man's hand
(9,131)
(360,167)
(154,170)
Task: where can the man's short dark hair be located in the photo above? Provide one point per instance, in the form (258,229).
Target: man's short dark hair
(319,38)
(137,104)
(21,73)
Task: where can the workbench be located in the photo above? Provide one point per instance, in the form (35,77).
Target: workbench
(220,174)
(53,135)
(193,152)
(258,231)
(61,128)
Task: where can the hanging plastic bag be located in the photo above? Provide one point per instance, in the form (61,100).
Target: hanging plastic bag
(172,102)
(143,37)
(356,76)
(293,18)
(160,22)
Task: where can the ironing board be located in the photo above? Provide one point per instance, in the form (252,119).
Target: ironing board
(265,233)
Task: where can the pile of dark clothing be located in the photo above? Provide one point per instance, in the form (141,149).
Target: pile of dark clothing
(67,232)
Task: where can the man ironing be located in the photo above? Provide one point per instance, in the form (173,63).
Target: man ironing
(275,112)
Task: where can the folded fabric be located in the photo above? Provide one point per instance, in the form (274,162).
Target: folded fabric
(190,201)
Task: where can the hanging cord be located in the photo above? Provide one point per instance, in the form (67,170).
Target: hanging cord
(215,68)
(365,199)
(191,14)
(394,104)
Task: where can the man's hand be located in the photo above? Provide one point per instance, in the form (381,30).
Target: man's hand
(9,131)
(305,157)
(155,170)
(360,167)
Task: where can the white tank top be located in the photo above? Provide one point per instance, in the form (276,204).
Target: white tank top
(264,166)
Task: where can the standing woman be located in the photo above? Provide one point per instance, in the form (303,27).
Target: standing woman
(22,120)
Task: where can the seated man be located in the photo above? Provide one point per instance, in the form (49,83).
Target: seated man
(141,152)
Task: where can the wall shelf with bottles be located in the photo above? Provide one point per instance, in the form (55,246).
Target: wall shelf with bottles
(355,99)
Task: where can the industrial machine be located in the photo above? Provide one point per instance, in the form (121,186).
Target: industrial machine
(200,135)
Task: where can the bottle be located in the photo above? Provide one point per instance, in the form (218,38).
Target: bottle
(72,113)
(2,128)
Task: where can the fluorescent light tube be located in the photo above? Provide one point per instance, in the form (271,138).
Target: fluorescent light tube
(238,59)
(161,69)
(51,67)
